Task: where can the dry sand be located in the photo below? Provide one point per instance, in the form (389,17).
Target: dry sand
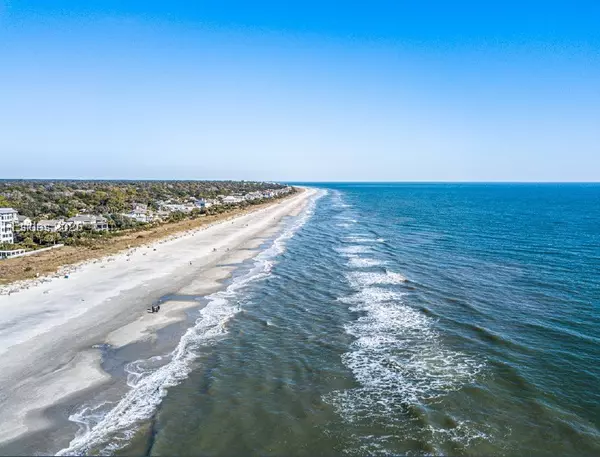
(49,329)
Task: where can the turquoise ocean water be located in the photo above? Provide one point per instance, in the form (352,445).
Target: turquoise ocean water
(390,319)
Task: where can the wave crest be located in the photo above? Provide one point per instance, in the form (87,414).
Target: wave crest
(401,364)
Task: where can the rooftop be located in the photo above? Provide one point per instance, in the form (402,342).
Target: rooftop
(50,222)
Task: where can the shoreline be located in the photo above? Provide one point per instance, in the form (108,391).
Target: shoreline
(58,323)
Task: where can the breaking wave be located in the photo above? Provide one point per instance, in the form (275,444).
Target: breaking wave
(362,262)
(400,363)
(349,251)
(360,279)
(362,239)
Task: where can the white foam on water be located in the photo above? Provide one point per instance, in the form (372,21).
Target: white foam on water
(338,201)
(363,262)
(363,239)
(400,362)
(372,294)
(346,222)
(350,251)
(361,279)
(107,427)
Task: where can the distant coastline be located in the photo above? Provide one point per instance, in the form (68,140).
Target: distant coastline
(89,237)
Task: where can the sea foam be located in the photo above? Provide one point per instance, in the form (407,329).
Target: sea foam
(363,239)
(360,279)
(362,262)
(353,250)
(400,363)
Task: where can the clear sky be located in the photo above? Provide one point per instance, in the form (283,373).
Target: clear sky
(306,90)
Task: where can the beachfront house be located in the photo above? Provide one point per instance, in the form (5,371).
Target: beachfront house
(24,223)
(136,216)
(90,221)
(72,224)
(162,214)
(139,208)
(177,207)
(101,223)
(8,218)
(253,196)
(232,199)
(50,225)
(210,202)
(200,203)
(140,213)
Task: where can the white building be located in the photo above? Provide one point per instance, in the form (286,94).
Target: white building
(8,217)
(101,223)
(139,208)
(177,207)
(232,199)
(209,203)
(252,196)
(200,203)
(140,215)
(24,223)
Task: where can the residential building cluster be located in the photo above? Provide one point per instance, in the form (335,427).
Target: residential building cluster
(258,195)
(11,221)
(141,213)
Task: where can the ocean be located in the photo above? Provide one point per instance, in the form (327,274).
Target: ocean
(390,319)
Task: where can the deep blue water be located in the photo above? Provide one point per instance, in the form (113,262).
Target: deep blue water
(457,319)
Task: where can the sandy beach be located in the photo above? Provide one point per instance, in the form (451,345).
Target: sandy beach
(50,330)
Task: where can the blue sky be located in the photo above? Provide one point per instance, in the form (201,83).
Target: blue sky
(311,91)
